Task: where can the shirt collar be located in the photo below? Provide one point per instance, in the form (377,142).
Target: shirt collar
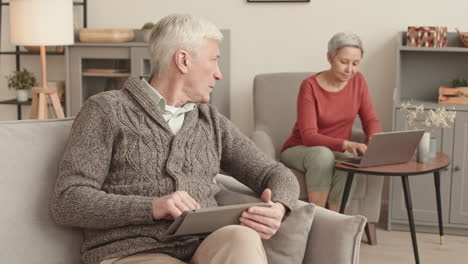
(161,102)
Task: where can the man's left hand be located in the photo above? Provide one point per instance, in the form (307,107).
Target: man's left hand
(265,220)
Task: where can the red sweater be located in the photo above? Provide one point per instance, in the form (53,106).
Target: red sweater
(326,118)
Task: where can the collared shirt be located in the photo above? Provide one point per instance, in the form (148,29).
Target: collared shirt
(174,116)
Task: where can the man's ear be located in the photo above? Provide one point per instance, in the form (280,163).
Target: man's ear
(182,60)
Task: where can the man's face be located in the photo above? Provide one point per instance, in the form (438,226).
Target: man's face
(203,73)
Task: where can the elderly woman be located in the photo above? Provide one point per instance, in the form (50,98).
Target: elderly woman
(327,106)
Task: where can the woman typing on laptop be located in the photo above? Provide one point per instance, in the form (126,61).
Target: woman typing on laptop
(327,106)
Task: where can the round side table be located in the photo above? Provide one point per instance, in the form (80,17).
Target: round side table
(403,170)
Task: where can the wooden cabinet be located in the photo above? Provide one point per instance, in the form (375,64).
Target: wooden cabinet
(97,67)
(140,63)
(459,205)
(420,72)
(93,69)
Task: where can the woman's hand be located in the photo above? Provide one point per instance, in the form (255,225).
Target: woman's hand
(265,220)
(354,147)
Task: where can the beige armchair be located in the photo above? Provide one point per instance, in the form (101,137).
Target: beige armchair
(275,97)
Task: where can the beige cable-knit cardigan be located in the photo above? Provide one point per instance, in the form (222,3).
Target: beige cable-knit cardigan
(121,155)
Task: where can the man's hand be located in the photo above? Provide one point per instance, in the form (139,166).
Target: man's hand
(173,205)
(265,220)
(354,147)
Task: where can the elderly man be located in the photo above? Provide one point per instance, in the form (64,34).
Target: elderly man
(140,156)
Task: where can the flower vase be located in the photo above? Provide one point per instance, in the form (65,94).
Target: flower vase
(433,147)
(422,153)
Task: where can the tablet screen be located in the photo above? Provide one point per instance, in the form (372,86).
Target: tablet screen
(207,220)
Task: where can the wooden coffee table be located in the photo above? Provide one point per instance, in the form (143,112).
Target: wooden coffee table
(403,170)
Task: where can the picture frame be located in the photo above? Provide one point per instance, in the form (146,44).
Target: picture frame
(276,1)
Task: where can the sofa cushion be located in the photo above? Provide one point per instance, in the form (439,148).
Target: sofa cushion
(331,232)
(289,244)
(29,156)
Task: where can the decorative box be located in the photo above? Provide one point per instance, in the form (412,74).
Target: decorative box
(448,95)
(463,37)
(427,37)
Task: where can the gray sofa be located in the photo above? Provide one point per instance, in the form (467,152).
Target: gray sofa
(29,156)
(275,96)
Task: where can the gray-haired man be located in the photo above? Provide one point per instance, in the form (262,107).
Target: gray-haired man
(140,156)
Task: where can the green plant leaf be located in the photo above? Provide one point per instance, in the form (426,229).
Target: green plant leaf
(148,25)
(21,80)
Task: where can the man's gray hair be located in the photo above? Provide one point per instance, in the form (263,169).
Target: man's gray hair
(178,31)
(344,39)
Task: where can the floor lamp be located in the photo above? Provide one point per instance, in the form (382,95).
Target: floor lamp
(42,23)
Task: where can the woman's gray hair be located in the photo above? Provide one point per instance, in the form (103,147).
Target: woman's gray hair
(344,39)
(178,31)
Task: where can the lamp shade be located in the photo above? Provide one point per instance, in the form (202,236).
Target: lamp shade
(41,22)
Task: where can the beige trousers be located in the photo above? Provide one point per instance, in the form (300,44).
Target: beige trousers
(232,244)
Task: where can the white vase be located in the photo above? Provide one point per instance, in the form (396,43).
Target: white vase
(146,34)
(422,153)
(433,148)
(22,95)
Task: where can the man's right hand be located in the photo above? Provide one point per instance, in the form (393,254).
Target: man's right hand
(354,147)
(173,205)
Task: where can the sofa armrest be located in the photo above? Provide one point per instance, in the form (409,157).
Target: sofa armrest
(264,143)
(233,185)
(334,238)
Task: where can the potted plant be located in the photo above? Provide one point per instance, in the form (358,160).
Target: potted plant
(21,81)
(460,83)
(146,29)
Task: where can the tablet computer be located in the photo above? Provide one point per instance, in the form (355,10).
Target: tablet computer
(207,220)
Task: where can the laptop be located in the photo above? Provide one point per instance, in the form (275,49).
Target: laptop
(387,148)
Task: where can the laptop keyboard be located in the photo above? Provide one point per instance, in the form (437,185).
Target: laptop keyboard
(356,160)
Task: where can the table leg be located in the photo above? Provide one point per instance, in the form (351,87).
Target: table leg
(409,209)
(18,110)
(439,206)
(371,233)
(347,188)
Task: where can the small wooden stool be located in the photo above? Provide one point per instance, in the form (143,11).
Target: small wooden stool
(40,103)
(40,95)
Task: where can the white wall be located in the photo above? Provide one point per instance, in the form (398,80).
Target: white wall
(274,37)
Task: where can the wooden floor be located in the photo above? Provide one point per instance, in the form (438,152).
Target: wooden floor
(395,247)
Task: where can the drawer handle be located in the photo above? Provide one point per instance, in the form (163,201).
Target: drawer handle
(456,168)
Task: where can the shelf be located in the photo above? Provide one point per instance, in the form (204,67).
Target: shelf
(30,53)
(15,102)
(111,44)
(446,49)
(74,3)
(433,104)
(106,74)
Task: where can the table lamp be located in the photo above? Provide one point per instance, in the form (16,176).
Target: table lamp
(42,23)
